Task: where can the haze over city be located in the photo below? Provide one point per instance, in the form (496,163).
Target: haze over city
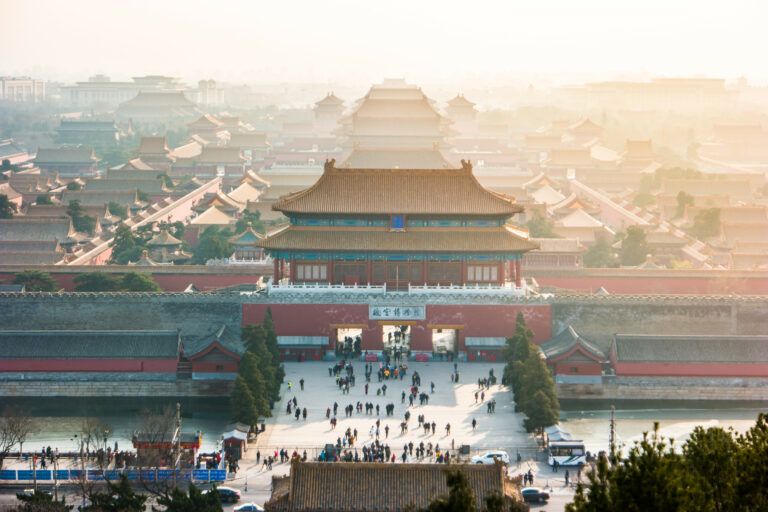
(357,43)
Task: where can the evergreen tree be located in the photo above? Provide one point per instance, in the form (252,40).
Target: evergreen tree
(213,244)
(461,497)
(250,371)
(7,208)
(192,501)
(119,497)
(600,255)
(243,403)
(41,502)
(270,338)
(43,199)
(706,223)
(126,245)
(36,281)
(136,282)
(115,209)
(96,282)
(634,247)
(81,222)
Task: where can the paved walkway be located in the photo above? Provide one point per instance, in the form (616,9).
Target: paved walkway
(452,403)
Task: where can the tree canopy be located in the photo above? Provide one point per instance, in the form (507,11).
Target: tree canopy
(82,222)
(706,223)
(634,247)
(36,281)
(714,470)
(213,244)
(105,282)
(43,199)
(127,246)
(7,208)
(601,255)
(532,383)
(541,227)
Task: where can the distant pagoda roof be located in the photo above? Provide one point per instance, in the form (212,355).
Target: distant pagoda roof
(460,101)
(569,341)
(247,237)
(398,191)
(330,100)
(164,239)
(396,159)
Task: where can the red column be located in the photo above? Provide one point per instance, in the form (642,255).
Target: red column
(292,269)
(424,271)
(330,270)
(276,271)
(518,276)
(463,272)
(368,271)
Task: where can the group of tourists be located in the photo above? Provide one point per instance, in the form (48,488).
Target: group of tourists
(293,408)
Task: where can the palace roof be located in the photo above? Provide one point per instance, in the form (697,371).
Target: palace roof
(569,340)
(66,155)
(220,155)
(163,238)
(248,140)
(735,189)
(212,217)
(298,238)
(247,237)
(36,229)
(460,101)
(159,99)
(330,100)
(577,157)
(398,191)
(100,197)
(205,121)
(89,344)
(245,192)
(189,150)
(547,195)
(153,145)
(150,185)
(690,349)
(579,219)
(309,487)
(136,164)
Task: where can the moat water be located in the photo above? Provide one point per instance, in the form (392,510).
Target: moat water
(58,420)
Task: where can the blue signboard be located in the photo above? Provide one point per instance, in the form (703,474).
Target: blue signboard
(147,476)
(44,474)
(95,475)
(112,475)
(25,474)
(62,474)
(201,475)
(132,475)
(218,475)
(8,474)
(165,474)
(76,474)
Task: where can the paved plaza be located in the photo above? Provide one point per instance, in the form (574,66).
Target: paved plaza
(452,403)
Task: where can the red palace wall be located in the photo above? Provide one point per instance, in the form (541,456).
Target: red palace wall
(675,369)
(89,365)
(212,366)
(471,320)
(581,368)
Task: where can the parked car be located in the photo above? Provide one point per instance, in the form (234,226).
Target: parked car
(491,457)
(249,507)
(534,495)
(227,494)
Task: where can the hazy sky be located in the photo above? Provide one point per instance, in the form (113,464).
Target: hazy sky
(362,41)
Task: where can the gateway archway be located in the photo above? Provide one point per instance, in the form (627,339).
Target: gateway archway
(445,342)
(349,341)
(397,341)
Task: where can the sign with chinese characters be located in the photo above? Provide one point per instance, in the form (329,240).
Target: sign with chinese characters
(397,312)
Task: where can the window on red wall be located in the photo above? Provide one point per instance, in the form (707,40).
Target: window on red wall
(484,273)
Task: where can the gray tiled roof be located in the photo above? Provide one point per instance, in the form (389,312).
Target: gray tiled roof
(89,344)
(311,486)
(566,340)
(691,349)
(37,229)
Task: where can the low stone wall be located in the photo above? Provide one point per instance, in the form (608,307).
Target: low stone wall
(668,388)
(133,389)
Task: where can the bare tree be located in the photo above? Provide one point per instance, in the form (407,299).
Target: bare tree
(15,427)
(94,432)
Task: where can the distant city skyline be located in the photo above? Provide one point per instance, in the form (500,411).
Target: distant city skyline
(355,43)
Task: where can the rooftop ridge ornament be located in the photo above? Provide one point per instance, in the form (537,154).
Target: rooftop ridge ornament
(466,165)
(329,165)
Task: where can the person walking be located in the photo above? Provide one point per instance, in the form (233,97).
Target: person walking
(474,423)
(567,477)
(301,383)
(304,414)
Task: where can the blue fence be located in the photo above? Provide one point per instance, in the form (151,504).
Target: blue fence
(159,475)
